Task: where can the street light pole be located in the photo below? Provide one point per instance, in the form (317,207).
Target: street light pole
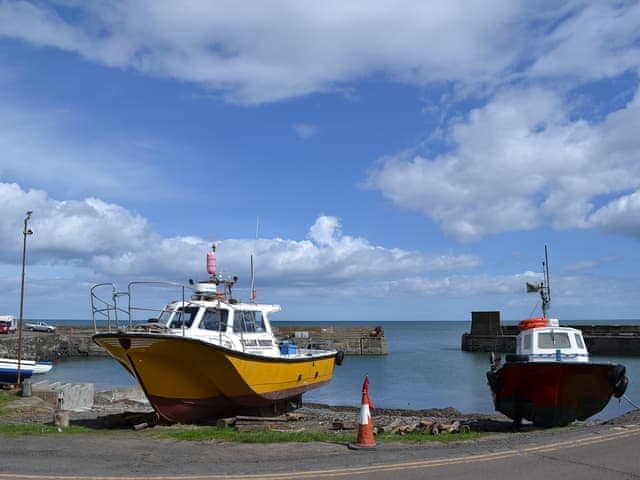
(26,232)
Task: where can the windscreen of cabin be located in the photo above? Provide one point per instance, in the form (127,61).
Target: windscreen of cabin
(248,321)
(183,317)
(164,317)
(553,340)
(526,342)
(579,341)
(214,319)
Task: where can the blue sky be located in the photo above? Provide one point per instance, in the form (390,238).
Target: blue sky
(406,160)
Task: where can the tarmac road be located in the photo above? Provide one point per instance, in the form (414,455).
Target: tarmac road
(586,452)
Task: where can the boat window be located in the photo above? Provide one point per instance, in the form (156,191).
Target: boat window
(164,316)
(526,342)
(214,319)
(579,341)
(553,340)
(248,321)
(183,316)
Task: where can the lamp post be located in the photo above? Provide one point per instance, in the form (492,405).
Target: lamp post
(26,232)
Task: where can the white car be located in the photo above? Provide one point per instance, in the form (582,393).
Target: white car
(40,327)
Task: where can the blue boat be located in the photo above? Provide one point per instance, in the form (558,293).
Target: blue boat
(9,369)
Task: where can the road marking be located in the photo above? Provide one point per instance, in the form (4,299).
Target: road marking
(616,433)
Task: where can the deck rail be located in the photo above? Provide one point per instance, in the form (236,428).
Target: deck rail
(106,307)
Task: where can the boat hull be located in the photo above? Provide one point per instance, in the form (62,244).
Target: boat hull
(9,369)
(10,375)
(555,393)
(187,380)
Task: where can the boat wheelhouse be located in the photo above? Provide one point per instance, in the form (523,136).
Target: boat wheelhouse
(543,339)
(243,327)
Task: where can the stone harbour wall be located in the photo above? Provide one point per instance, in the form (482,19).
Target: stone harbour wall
(487,334)
(351,340)
(69,342)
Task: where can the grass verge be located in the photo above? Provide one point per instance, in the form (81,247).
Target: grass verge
(6,397)
(203,434)
(270,436)
(29,429)
(263,436)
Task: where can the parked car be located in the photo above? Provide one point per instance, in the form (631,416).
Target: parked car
(40,327)
(8,324)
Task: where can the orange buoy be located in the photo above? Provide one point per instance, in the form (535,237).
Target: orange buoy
(533,323)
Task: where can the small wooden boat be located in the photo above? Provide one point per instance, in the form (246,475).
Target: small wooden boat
(211,355)
(9,369)
(550,381)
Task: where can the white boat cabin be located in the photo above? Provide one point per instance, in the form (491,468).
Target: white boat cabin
(242,327)
(543,340)
(212,315)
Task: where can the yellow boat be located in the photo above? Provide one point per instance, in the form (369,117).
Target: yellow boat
(212,356)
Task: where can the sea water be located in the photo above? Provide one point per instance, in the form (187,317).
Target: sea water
(425,368)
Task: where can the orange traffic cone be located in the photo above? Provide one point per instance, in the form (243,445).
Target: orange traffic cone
(365,427)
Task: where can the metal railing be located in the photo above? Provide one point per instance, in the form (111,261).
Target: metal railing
(105,306)
(106,309)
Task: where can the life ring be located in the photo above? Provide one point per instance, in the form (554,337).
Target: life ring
(533,323)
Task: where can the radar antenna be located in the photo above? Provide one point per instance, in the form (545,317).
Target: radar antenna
(543,287)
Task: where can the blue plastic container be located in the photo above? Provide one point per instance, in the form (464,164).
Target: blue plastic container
(288,348)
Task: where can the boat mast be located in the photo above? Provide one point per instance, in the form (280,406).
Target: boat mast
(545,290)
(253,271)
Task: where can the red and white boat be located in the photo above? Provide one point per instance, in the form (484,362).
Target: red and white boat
(550,381)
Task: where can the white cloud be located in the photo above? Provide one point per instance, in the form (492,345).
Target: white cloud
(520,162)
(68,230)
(305,131)
(325,230)
(79,243)
(253,52)
(619,216)
(597,40)
(256,52)
(330,258)
(109,240)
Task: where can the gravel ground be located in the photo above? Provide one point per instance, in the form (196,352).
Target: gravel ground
(127,408)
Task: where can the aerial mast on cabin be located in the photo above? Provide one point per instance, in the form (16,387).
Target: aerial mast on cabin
(543,287)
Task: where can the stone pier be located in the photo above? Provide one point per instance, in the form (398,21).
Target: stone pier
(488,334)
(70,342)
